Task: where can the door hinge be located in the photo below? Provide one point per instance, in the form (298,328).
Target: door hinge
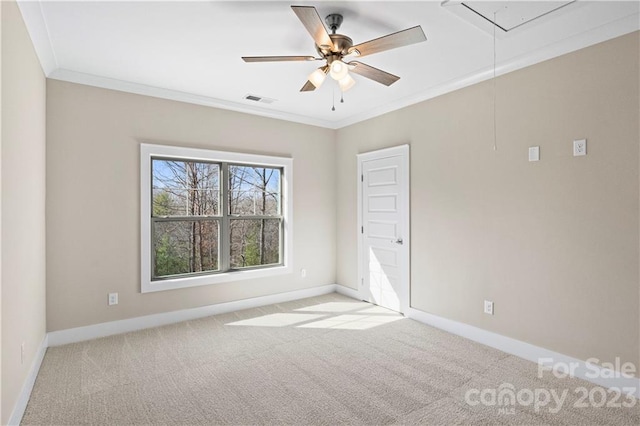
(362,229)
(361,178)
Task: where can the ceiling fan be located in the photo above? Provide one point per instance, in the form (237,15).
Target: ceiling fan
(335,47)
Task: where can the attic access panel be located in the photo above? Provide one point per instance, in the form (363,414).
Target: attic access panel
(509,15)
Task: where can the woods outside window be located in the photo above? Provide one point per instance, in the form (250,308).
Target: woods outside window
(210,216)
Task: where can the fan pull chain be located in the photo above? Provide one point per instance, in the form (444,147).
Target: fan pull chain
(495,137)
(333,100)
(341,97)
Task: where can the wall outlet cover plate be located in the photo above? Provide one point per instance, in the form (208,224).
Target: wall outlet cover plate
(579,147)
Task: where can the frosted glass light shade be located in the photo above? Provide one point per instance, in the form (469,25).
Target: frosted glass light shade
(346,83)
(317,77)
(339,70)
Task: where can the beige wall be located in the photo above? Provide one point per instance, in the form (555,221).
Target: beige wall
(23,204)
(554,243)
(1,418)
(93,199)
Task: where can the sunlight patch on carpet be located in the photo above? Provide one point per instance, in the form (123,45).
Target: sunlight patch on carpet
(335,307)
(277,320)
(352,322)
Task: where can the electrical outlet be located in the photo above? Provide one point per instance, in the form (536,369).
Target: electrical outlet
(488,307)
(579,147)
(303,273)
(113,299)
(22,353)
(534,153)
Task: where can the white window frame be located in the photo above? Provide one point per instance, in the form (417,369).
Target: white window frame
(148,152)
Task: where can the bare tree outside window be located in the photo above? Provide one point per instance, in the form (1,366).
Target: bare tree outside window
(188,222)
(254,198)
(184,191)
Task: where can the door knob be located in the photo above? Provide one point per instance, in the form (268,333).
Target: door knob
(398,241)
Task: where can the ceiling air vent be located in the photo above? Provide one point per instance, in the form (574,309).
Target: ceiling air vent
(261,99)
(507,16)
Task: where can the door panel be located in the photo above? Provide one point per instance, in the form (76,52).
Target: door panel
(382,229)
(384,249)
(383,203)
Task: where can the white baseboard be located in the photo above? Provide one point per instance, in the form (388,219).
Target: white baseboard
(603,376)
(347,291)
(27,387)
(79,334)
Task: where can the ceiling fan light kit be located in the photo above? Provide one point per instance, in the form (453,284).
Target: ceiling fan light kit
(318,76)
(333,48)
(339,70)
(346,83)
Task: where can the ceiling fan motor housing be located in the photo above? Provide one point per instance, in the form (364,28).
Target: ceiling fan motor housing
(341,45)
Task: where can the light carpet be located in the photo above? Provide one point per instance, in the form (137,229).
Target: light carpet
(326,360)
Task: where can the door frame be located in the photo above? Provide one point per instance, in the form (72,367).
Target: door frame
(403,152)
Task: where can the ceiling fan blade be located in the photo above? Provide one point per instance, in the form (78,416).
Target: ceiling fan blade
(277,58)
(308,87)
(309,17)
(391,41)
(374,74)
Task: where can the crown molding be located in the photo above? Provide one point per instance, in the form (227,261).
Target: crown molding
(37,27)
(600,34)
(175,95)
(39,32)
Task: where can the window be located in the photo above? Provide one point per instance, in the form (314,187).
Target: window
(209,217)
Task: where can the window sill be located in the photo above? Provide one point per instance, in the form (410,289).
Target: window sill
(225,277)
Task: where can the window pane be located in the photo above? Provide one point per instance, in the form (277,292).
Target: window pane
(182,247)
(255,242)
(185,188)
(254,191)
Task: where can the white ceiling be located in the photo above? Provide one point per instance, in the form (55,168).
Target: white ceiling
(190,51)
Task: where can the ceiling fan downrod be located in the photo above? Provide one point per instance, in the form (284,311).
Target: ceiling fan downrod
(333,21)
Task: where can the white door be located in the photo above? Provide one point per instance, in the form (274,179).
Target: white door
(383,210)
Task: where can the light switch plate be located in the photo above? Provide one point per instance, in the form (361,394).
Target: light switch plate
(113,299)
(534,153)
(579,147)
